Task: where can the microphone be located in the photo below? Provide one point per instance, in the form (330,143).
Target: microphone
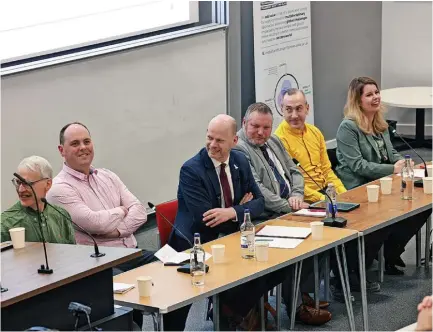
(417,183)
(95,245)
(45,269)
(152,206)
(332,221)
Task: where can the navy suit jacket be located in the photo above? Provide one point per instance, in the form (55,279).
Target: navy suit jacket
(199,191)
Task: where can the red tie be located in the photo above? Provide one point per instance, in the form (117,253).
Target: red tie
(226,187)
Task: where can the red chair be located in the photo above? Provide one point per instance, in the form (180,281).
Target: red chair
(169,210)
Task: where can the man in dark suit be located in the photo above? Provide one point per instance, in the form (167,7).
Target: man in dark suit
(215,187)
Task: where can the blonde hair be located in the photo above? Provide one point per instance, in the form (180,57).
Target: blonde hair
(353,110)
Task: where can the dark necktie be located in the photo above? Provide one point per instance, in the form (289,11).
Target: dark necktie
(228,201)
(284,189)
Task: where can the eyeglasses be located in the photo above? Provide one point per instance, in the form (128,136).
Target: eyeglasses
(17,183)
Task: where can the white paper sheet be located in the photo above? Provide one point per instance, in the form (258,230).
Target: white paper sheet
(310,213)
(283,243)
(168,255)
(284,232)
(418,173)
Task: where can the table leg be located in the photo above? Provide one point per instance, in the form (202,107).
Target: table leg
(381,263)
(278,307)
(346,273)
(418,248)
(160,321)
(316,280)
(427,243)
(362,279)
(216,312)
(297,279)
(262,313)
(344,283)
(326,277)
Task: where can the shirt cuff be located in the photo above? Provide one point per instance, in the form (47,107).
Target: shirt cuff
(236,214)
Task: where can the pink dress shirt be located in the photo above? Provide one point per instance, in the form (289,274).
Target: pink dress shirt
(94,202)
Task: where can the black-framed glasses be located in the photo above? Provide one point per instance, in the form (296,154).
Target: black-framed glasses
(17,183)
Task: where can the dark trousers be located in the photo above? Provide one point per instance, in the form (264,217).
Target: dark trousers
(394,238)
(146,258)
(239,299)
(306,284)
(401,234)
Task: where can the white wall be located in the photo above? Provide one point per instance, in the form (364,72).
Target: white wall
(147,109)
(407,54)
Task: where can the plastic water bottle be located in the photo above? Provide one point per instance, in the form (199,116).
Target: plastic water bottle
(333,203)
(407,179)
(197,262)
(248,232)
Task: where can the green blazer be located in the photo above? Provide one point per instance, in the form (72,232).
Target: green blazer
(358,156)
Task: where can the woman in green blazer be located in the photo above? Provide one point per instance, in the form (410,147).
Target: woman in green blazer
(365,153)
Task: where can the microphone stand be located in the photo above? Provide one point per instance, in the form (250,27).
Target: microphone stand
(95,245)
(417,183)
(329,221)
(45,269)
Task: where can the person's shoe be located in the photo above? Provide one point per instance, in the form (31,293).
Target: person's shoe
(308,301)
(391,270)
(312,316)
(399,262)
(371,286)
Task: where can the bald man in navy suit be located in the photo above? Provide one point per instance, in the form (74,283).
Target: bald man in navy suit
(215,187)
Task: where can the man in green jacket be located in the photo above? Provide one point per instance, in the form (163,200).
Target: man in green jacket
(56,227)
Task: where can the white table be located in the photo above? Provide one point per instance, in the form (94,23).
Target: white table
(418,98)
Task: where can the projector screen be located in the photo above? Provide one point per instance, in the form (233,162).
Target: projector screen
(30,28)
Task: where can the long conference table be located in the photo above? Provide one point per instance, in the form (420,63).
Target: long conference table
(34,299)
(370,217)
(173,290)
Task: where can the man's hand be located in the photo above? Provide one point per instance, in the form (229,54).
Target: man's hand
(248,197)
(296,202)
(426,303)
(217,216)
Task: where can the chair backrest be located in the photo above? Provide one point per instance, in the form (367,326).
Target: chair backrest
(169,210)
(332,155)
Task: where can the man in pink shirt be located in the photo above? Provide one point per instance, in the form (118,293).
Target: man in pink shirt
(96,198)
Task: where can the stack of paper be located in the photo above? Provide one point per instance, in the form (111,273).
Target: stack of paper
(284,232)
(283,236)
(120,288)
(310,213)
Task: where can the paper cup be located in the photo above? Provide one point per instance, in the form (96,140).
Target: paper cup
(386,185)
(430,170)
(218,251)
(262,251)
(427,185)
(144,285)
(18,237)
(373,193)
(316,230)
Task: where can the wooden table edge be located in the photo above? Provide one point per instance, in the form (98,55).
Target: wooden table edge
(66,281)
(239,282)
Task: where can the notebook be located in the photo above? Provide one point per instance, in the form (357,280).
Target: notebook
(284,232)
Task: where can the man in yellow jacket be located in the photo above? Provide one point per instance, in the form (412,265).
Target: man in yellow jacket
(306,143)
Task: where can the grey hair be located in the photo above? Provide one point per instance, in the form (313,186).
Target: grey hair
(257,107)
(37,164)
(291,92)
